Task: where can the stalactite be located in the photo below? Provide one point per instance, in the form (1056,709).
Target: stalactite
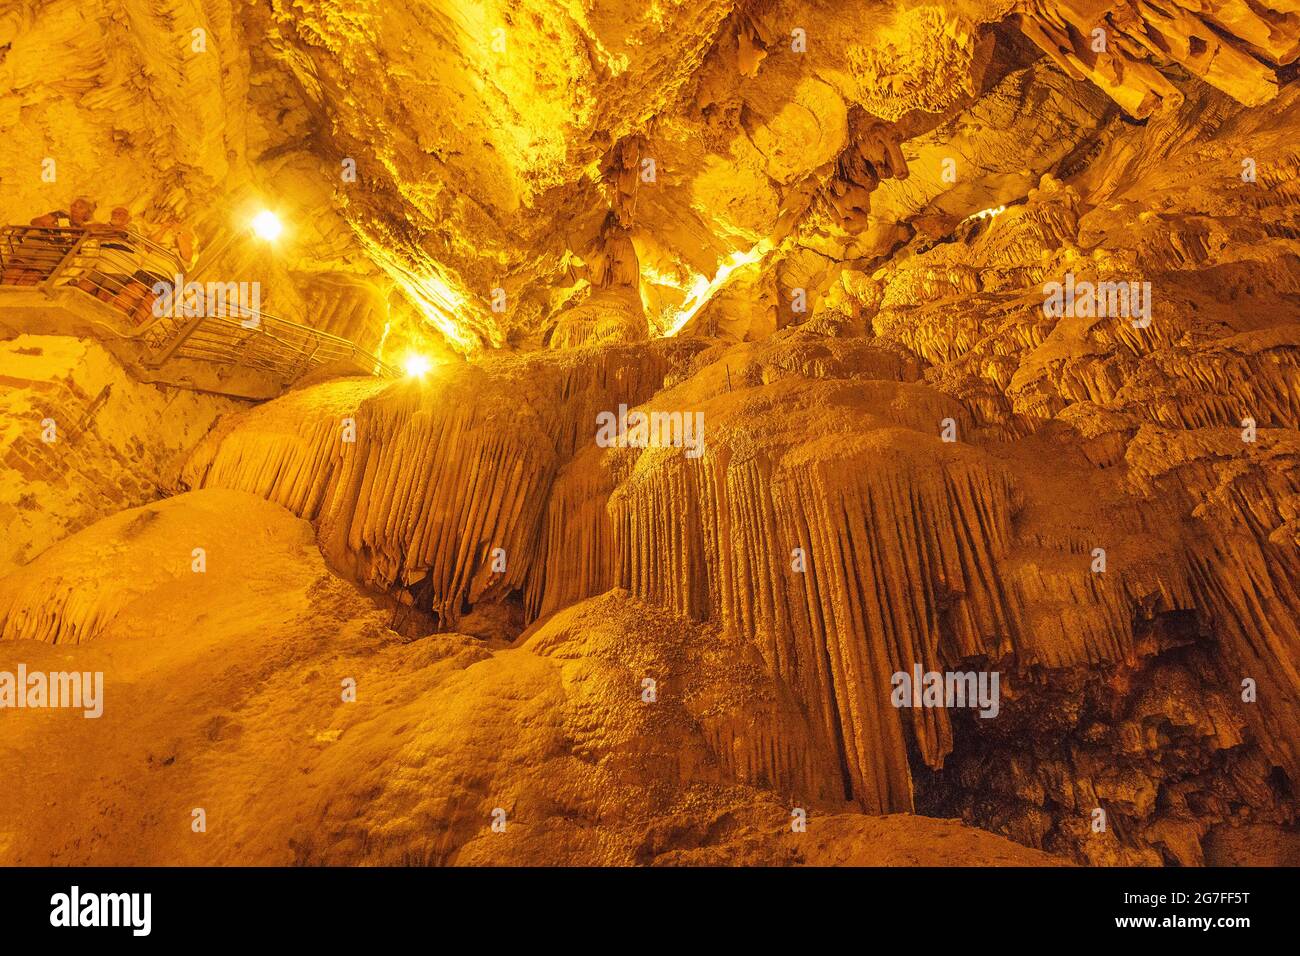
(443,482)
(1110,44)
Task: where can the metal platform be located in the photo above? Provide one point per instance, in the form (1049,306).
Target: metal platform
(112,279)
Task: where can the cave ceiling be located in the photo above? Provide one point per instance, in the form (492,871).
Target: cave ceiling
(451,166)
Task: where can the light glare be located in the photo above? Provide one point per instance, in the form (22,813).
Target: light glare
(267,225)
(417,366)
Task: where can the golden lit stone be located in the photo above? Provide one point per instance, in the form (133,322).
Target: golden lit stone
(681,432)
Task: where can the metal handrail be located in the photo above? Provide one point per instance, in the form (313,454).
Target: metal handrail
(123,269)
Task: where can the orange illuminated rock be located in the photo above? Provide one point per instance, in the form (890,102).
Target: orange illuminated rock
(863,417)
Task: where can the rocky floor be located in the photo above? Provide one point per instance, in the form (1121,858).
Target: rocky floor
(225,736)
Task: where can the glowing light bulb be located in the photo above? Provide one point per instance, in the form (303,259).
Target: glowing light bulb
(417,366)
(267,225)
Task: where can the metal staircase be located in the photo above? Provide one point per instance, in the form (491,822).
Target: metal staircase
(121,272)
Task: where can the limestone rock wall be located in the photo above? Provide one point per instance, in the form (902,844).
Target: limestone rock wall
(80,440)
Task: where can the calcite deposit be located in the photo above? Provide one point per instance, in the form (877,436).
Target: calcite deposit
(943,342)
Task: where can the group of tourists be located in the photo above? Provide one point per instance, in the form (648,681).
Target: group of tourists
(125,266)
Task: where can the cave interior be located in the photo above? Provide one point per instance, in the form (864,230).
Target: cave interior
(586,432)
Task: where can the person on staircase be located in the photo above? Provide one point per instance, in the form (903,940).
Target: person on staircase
(120,257)
(79,215)
(172,251)
(35,256)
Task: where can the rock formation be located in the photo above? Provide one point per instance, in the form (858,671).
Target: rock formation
(778,352)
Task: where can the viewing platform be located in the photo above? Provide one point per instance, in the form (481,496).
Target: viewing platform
(103,283)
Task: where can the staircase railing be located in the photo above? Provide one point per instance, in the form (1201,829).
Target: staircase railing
(123,270)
